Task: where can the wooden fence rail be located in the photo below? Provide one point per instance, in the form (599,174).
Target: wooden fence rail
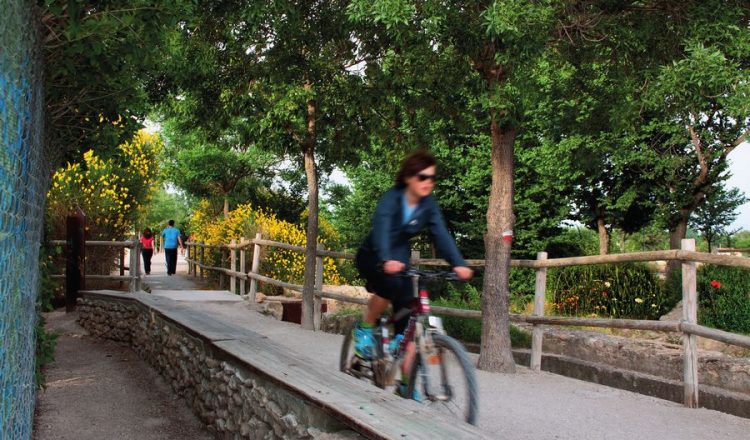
(134,265)
(688,326)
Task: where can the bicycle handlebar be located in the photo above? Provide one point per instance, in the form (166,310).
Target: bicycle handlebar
(431,275)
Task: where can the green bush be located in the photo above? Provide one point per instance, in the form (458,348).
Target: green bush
(522,282)
(724,298)
(616,291)
(470,329)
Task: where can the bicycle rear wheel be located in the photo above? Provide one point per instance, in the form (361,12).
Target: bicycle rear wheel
(446,379)
(349,363)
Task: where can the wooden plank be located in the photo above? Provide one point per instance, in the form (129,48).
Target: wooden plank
(340,297)
(678,255)
(261,242)
(368,410)
(537,334)
(273,282)
(255,268)
(243,266)
(633,324)
(317,306)
(716,334)
(334,254)
(232,266)
(690,316)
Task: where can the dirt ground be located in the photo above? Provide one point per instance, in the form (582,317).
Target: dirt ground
(100,390)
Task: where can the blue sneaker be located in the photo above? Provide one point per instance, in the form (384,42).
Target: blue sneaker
(363,342)
(403,389)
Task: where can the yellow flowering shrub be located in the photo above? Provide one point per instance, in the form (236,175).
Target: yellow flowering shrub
(245,221)
(109,191)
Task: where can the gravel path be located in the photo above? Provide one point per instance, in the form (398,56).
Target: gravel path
(100,390)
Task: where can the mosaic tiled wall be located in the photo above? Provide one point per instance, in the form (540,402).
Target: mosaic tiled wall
(23,184)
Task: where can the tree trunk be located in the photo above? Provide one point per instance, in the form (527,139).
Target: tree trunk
(495,354)
(308,288)
(675,241)
(226,207)
(603,236)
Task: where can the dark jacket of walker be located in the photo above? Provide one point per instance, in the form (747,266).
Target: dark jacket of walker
(389,237)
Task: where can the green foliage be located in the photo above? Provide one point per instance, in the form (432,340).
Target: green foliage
(741,240)
(573,242)
(724,298)
(163,206)
(522,285)
(45,341)
(45,349)
(717,212)
(615,291)
(468,329)
(101,60)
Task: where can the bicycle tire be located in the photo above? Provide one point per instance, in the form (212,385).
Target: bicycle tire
(448,344)
(347,350)
(375,366)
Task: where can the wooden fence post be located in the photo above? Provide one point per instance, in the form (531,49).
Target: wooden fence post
(190,258)
(690,315)
(537,337)
(243,266)
(233,266)
(75,267)
(317,306)
(255,268)
(414,260)
(203,260)
(134,266)
(122,264)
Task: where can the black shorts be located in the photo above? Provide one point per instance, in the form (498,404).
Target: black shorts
(397,289)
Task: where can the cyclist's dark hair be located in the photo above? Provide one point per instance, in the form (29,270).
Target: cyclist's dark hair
(413,164)
(171,223)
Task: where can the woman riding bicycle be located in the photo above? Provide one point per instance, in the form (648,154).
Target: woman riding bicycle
(402,212)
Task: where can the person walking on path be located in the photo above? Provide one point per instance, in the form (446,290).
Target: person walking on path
(183,242)
(147,249)
(171,241)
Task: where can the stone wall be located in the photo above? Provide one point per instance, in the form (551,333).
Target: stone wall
(227,394)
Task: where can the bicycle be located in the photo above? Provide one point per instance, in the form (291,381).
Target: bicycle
(441,370)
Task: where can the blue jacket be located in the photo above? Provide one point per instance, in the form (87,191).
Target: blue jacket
(389,237)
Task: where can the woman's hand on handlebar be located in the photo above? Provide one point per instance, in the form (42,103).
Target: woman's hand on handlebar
(463,272)
(393,267)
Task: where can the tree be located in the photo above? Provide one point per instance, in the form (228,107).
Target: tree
(278,73)
(698,99)
(99,58)
(218,169)
(499,41)
(717,212)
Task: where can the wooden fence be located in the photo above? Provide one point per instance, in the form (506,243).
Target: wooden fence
(688,325)
(134,265)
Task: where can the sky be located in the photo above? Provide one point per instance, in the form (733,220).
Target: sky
(740,168)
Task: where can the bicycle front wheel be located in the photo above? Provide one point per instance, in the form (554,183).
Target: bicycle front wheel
(445,378)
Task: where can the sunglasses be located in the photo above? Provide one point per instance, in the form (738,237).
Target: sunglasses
(422,177)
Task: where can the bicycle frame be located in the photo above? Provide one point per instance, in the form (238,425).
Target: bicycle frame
(421,325)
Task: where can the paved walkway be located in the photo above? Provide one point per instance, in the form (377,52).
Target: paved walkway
(100,390)
(526,405)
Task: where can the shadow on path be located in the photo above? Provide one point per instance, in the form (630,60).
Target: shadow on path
(97,389)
